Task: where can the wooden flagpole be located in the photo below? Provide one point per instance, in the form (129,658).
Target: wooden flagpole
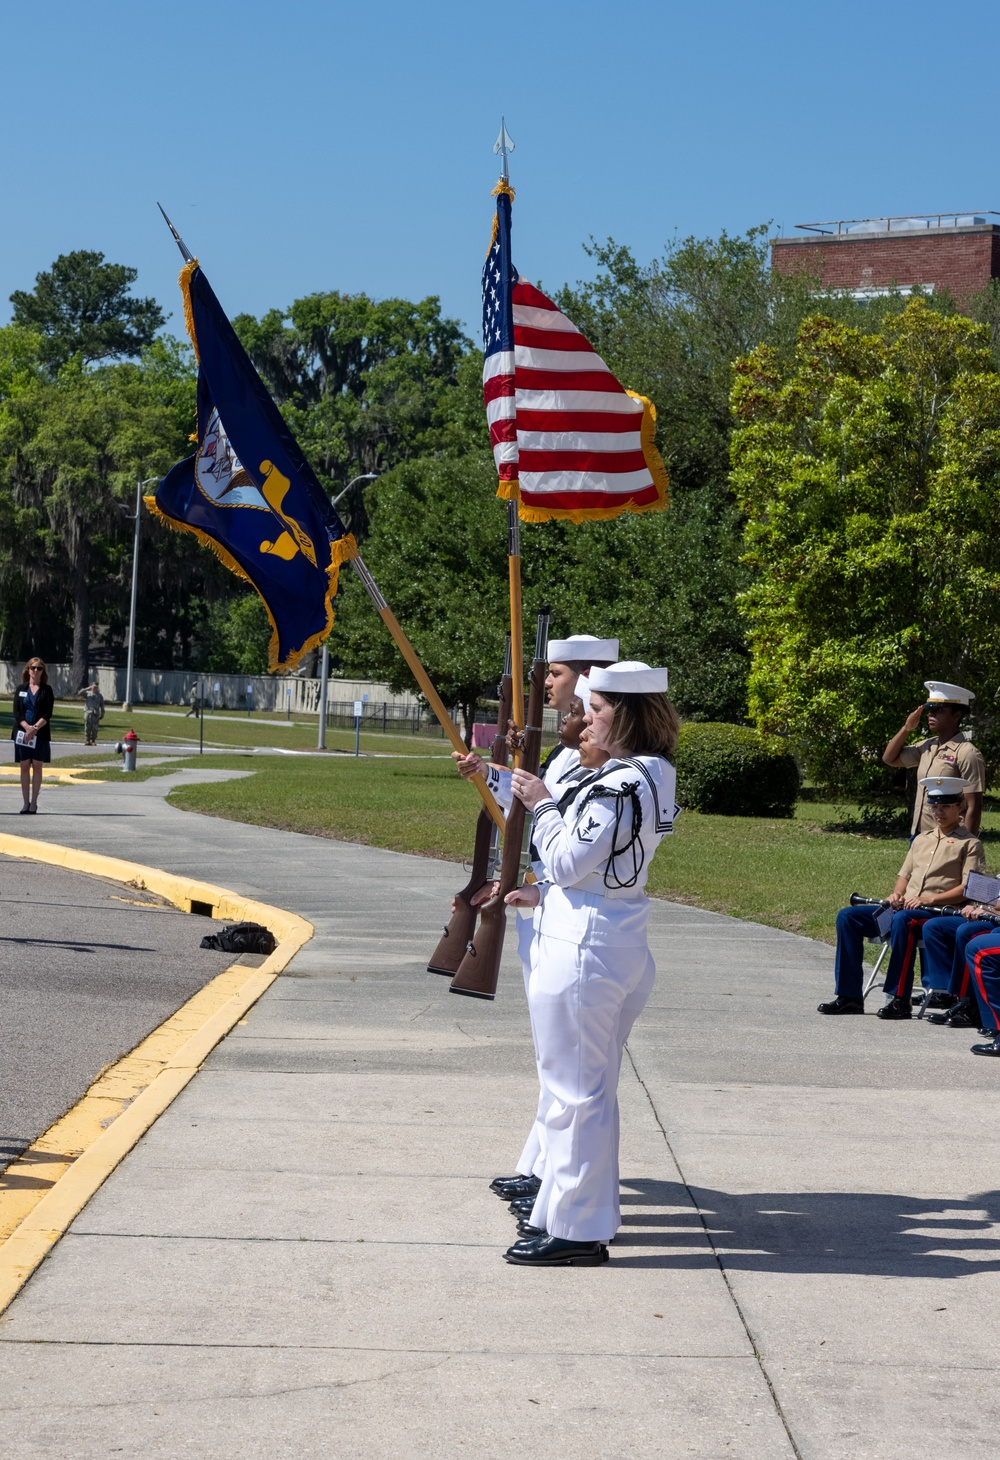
(501,147)
(516,625)
(427,689)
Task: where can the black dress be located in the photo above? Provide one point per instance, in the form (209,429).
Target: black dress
(40,748)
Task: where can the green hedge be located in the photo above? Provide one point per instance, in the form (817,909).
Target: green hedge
(727,770)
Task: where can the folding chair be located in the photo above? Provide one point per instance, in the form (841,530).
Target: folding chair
(878,964)
(884,941)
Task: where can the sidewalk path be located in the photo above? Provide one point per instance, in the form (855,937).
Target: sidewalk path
(301,1258)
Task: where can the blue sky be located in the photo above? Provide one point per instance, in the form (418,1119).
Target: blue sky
(302,145)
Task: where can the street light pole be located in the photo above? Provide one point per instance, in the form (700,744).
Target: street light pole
(130,669)
(368,476)
(324,685)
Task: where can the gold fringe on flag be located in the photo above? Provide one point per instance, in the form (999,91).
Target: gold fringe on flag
(510,491)
(342,549)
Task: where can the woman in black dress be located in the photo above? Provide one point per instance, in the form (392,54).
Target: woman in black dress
(33,703)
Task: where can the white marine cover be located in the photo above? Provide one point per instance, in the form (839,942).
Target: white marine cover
(939,693)
(938,786)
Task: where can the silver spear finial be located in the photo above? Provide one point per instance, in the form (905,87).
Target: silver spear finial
(188,255)
(503,144)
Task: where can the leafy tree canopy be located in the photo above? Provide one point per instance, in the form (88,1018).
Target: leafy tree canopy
(868,468)
(82,306)
(365,384)
(438,545)
(71,451)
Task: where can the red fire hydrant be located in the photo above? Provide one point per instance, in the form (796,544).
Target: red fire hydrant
(129,742)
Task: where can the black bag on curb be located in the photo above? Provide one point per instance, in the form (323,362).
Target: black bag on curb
(241,938)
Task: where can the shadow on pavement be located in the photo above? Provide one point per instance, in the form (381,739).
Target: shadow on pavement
(867,1233)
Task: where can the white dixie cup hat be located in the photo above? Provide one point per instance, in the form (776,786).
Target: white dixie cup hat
(584,647)
(629,677)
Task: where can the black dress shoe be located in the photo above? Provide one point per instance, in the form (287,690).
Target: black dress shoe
(992,1048)
(937,999)
(961,1015)
(964,1015)
(896,1009)
(840,1005)
(24,811)
(989,1033)
(556,1252)
(510,1187)
(523,1206)
(525,1229)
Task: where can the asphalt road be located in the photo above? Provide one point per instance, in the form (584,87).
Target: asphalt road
(85,974)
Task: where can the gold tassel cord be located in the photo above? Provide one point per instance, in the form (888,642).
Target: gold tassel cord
(185,282)
(506,189)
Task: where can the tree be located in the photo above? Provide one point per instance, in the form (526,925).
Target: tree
(437,546)
(71,451)
(438,549)
(365,384)
(868,468)
(673,329)
(82,306)
(235,636)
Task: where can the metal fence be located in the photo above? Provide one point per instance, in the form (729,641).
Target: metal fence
(391,719)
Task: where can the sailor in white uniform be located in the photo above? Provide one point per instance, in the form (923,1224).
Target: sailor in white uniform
(570,662)
(592,971)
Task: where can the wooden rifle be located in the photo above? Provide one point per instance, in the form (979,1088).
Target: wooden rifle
(479,970)
(457,936)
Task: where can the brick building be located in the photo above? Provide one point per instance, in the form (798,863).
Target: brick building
(959,252)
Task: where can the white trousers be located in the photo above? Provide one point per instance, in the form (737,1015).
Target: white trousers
(531,1161)
(584,1001)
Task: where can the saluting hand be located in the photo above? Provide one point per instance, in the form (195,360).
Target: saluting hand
(913,719)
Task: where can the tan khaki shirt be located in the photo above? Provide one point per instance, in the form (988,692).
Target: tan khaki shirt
(957,757)
(936,863)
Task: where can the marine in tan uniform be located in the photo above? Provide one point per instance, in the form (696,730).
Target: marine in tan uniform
(944,752)
(932,876)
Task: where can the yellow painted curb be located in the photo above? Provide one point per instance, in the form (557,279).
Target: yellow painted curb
(51,1182)
(61,775)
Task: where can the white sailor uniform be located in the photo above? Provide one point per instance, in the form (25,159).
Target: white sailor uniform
(558,774)
(590,980)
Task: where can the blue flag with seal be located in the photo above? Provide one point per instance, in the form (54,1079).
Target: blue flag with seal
(249,493)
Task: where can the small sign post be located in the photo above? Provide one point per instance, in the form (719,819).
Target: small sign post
(288,702)
(359,710)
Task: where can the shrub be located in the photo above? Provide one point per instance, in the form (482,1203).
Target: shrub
(727,770)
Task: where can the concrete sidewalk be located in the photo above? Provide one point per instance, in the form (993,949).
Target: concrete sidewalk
(302,1259)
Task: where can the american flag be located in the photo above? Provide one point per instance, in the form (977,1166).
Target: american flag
(568,439)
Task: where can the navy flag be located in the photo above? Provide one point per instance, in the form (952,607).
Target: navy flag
(248,492)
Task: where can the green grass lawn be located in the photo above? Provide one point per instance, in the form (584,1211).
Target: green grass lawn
(229,729)
(405,805)
(791,874)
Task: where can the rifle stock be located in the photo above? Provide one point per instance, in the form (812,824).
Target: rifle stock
(457,936)
(479,971)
